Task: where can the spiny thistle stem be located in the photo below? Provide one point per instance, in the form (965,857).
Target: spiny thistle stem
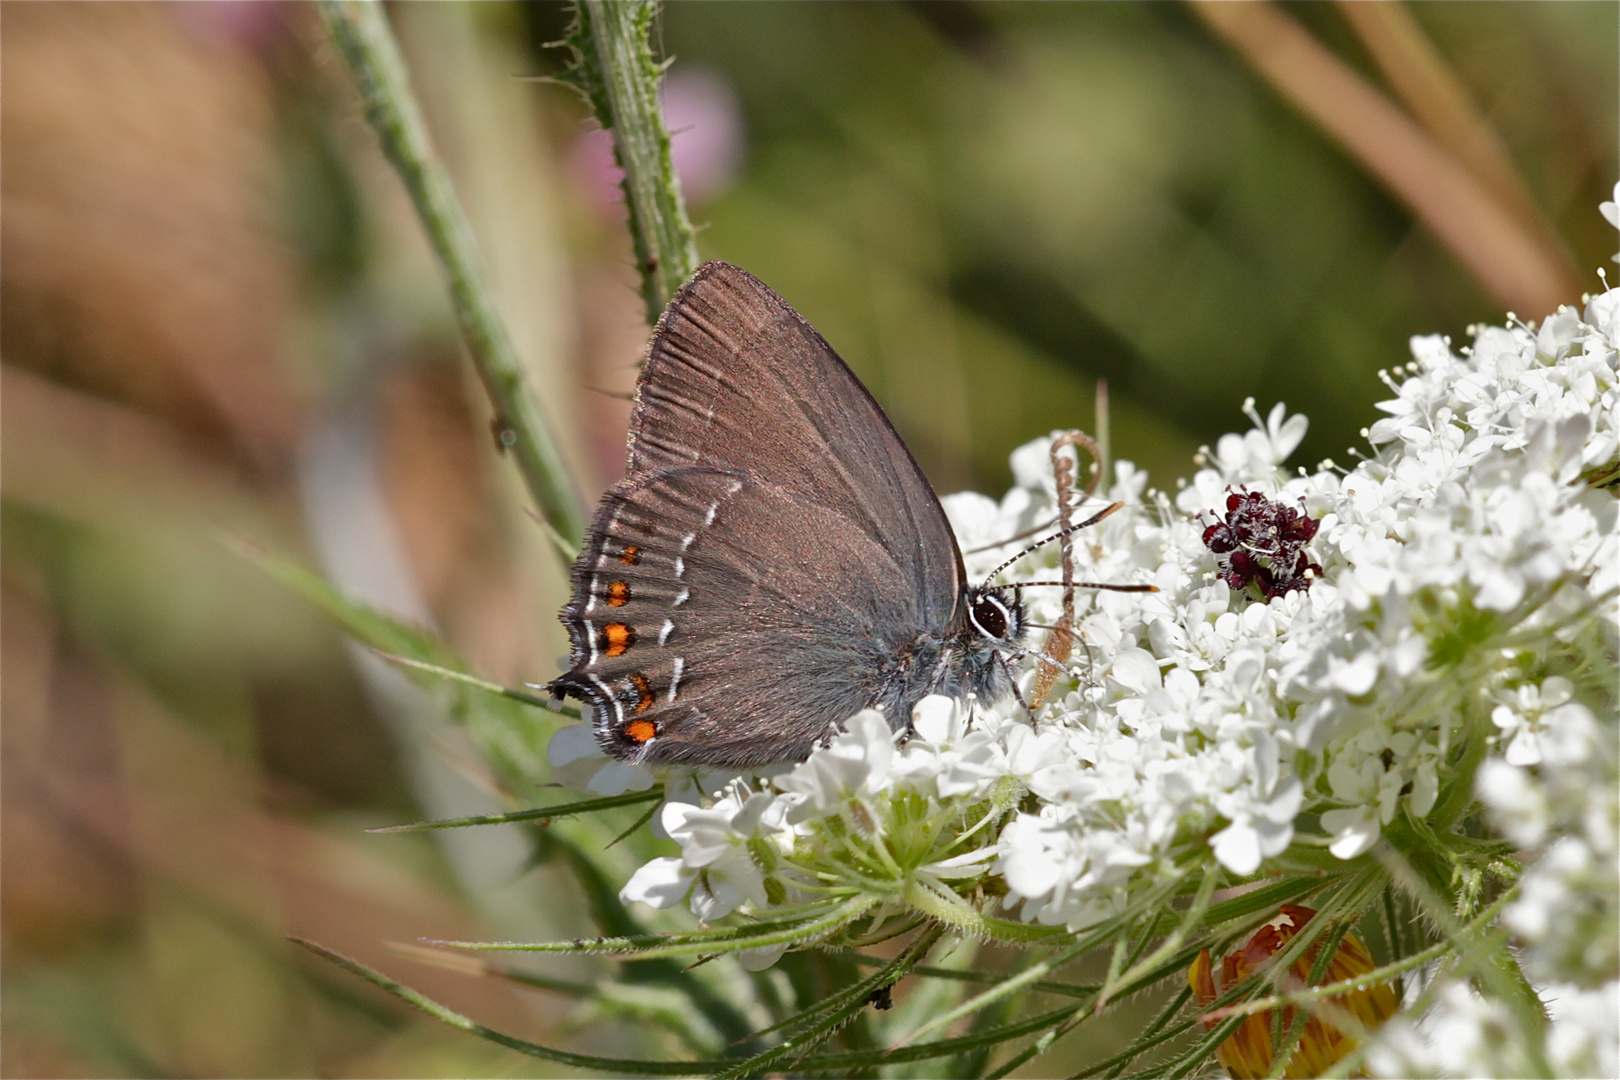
(364,39)
(614,68)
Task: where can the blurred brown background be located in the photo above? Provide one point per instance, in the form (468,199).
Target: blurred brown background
(218,318)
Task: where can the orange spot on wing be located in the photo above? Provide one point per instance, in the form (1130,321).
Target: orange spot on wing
(618,593)
(617,639)
(630,555)
(639,681)
(640,731)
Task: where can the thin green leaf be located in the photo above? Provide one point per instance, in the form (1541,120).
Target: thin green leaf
(620,1066)
(511,735)
(1386,973)
(1160,1031)
(1188,1061)
(373,628)
(825,1004)
(835,1063)
(923,971)
(834,1012)
(1267,897)
(611,915)
(1014,932)
(1286,1044)
(477,966)
(638,823)
(481,684)
(1192,919)
(973,1062)
(539,814)
(1144,1042)
(1353,894)
(1101,934)
(759,936)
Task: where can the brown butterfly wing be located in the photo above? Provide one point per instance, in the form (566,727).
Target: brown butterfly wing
(692,648)
(736,379)
(774,556)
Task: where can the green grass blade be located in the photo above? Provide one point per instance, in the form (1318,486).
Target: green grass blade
(612,916)
(510,732)
(1107,931)
(924,971)
(480,967)
(383,633)
(1267,897)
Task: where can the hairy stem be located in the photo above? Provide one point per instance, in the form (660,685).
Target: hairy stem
(364,39)
(615,69)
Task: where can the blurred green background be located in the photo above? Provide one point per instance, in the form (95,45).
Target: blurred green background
(220,319)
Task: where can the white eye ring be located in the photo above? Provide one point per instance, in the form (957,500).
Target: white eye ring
(1006,617)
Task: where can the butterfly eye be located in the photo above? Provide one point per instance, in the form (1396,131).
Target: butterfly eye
(990,617)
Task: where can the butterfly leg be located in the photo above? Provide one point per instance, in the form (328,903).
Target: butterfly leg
(1012,681)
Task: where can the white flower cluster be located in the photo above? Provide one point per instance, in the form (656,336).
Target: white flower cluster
(1457,585)
(1554,793)
(1454,568)
(1563,807)
(862,815)
(1468,1035)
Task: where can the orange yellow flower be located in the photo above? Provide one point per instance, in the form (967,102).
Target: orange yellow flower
(1247,1053)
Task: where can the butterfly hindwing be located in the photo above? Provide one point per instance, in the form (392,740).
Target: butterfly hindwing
(687,644)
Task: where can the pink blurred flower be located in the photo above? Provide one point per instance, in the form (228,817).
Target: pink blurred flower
(706,139)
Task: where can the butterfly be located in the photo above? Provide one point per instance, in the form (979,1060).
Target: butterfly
(774,560)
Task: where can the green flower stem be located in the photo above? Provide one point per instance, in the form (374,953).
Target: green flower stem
(1237,913)
(1193,919)
(1344,986)
(923,971)
(864,987)
(906,1051)
(1486,939)
(931,902)
(360,30)
(617,72)
(1286,1044)
(1346,904)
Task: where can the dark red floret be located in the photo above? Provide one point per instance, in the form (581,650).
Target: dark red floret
(1260,545)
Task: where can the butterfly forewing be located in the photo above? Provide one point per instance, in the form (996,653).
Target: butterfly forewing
(736,379)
